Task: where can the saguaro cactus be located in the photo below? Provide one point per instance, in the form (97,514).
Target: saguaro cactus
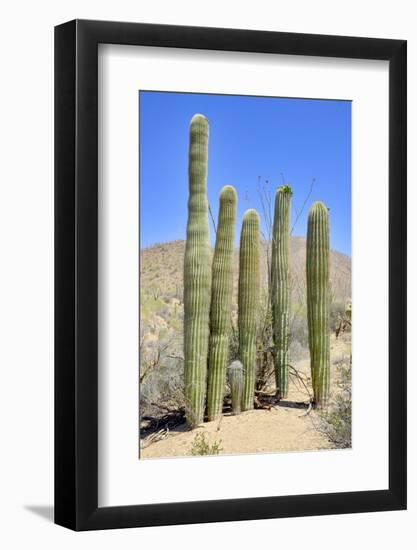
(197,275)
(248,302)
(318,297)
(280,287)
(236,381)
(221,301)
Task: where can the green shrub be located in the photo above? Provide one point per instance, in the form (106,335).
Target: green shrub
(336,422)
(201,446)
(337,311)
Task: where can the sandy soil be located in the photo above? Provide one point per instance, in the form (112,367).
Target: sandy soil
(285,427)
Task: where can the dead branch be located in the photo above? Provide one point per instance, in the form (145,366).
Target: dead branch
(309,409)
(304,204)
(259,405)
(295,373)
(265,393)
(165,408)
(212,219)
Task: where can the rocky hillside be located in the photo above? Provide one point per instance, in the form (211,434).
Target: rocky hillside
(161,269)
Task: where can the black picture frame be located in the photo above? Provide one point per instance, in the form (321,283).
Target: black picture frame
(76,271)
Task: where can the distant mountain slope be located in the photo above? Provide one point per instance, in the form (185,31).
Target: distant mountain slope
(161,269)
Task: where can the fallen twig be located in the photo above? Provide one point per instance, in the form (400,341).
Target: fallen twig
(299,377)
(309,409)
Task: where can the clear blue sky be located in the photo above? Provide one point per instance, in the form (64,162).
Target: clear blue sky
(250,137)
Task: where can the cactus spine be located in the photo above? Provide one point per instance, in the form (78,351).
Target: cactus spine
(280,289)
(236,381)
(318,297)
(221,301)
(248,302)
(197,275)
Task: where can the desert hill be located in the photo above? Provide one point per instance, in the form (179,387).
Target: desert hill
(161,269)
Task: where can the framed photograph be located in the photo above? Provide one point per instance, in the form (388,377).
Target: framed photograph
(230,284)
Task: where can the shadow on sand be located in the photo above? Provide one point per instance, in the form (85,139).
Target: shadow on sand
(293,404)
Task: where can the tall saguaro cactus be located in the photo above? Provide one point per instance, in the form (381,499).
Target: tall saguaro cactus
(280,289)
(318,298)
(248,302)
(197,274)
(221,301)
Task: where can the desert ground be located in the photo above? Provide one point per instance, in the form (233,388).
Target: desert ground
(284,426)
